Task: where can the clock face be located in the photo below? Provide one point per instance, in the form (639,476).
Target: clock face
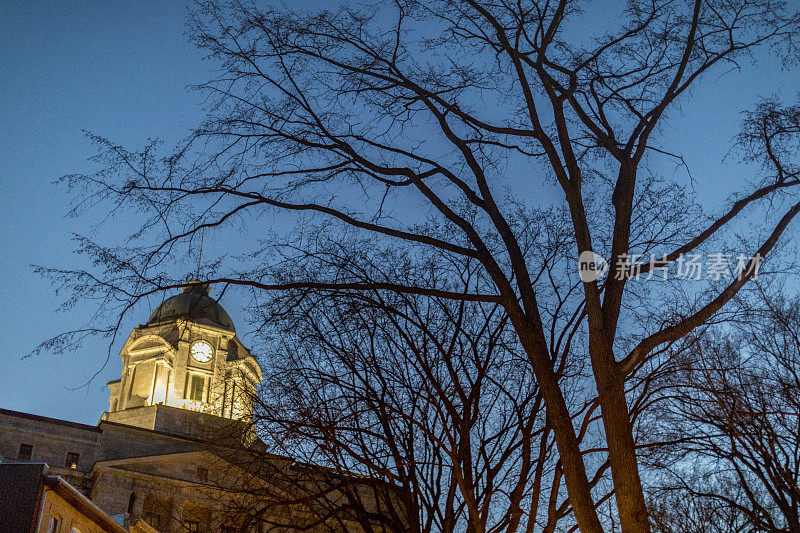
(201,351)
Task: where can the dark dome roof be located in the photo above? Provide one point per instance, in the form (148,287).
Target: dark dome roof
(193,304)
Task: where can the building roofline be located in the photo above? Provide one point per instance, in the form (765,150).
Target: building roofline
(40,418)
(173,436)
(99,427)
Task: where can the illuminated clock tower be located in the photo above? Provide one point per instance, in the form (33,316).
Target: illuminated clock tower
(185,359)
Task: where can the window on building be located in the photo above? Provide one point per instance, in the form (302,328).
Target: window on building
(25,452)
(53,525)
(131,503)
(72,459)
(196,386)
(191,526)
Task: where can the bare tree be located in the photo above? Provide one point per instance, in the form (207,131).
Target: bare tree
(430,395)
(679,512)
(424,408)
(735,420)
(401,118)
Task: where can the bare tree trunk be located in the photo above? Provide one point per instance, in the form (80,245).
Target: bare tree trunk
(622,452)
(560,420)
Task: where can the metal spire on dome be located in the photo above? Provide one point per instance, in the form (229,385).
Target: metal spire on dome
(200,254)
(195,283)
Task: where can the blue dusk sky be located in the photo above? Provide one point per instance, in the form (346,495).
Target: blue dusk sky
(118,69)
(122,70)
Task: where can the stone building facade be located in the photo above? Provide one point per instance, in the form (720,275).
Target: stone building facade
(177,415)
